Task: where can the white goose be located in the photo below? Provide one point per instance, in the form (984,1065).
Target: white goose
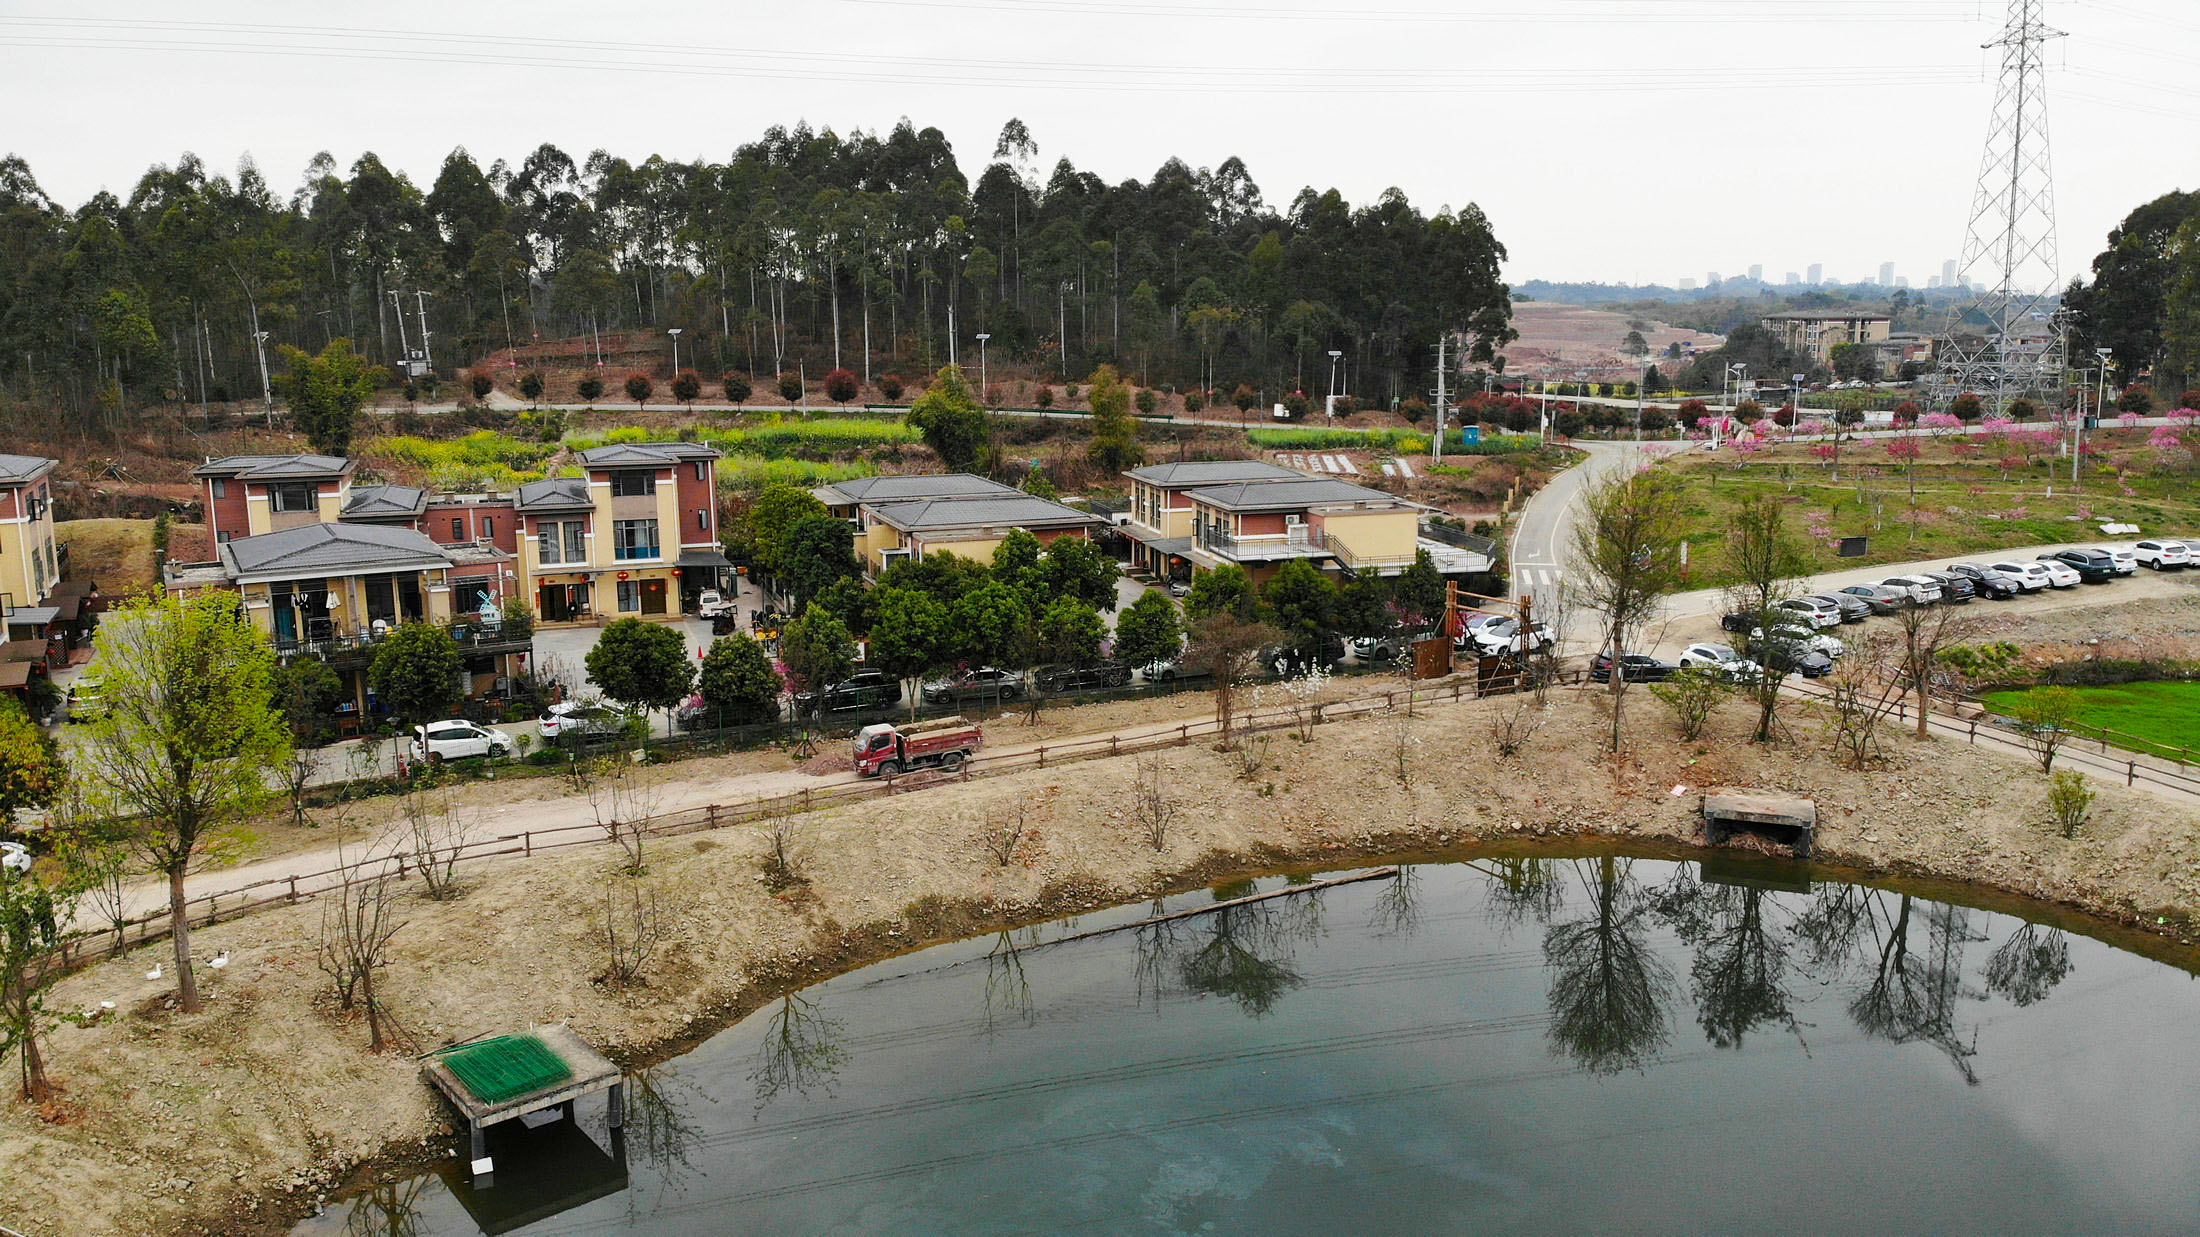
(218,961)
(154,973)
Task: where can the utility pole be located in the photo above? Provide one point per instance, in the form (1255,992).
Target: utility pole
(267,391)
(403,349)
(427,354)
(1436,447)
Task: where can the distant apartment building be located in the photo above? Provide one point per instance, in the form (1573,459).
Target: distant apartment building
(1817,274)
(1757,272)
(1886,274)
(1792,279)
(1815,333)
(1948,273)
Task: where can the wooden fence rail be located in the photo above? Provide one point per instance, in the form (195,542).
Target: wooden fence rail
(90,945)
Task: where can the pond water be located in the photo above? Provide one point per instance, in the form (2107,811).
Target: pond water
(1561,1044)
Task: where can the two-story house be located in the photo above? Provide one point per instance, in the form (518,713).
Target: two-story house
(634,536)
(1260,525)
(944,513)
(452,520)
(30,562)
(1159,522)
(333,590)
(249,495)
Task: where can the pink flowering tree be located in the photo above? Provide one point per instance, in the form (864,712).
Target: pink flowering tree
(1941,424)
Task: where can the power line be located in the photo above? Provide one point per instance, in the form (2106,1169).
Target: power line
(1752,12)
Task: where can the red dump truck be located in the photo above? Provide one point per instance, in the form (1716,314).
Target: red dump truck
(885,749)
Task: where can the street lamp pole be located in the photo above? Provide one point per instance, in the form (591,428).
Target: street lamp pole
(675,333)
(1334,354)
(982,337)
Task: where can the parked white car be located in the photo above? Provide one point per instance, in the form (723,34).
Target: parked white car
(437,742)
(1503,635)
(1819,612)
(2162,555)
(2031,577)
(2126,562)
(711,604)
(2061,575)
(1722,659)
(1917,590)
(582,717)
(1815,641)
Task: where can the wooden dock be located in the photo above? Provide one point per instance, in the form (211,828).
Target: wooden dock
(589,1070)
(1786,819)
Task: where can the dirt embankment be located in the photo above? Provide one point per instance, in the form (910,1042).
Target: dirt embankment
(236,1119)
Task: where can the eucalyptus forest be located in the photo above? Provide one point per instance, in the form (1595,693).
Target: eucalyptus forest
(805,248)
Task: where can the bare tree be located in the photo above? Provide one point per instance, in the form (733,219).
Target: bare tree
(433,837)
(1230,648)
(1513,723)
(623,796)
(1769,562)
(296,775)
(2044,718)
(1694,693)
(1004,834)
(1403,742)
(782,870)
(1252,755)
(631,927)
(1626,542)
(358,919)
(1921,632)
(1855,691)
(1151,808)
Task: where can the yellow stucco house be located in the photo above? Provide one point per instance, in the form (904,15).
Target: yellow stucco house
(944,513)
(30,562)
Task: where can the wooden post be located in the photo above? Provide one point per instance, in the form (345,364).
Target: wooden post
(1183,734)
(527,843)
(2131,772)
(1042,755)
(294,886)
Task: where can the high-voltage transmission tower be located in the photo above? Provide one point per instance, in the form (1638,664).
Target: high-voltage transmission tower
(2005,344)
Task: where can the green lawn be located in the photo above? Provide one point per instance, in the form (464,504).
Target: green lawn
(2161,717)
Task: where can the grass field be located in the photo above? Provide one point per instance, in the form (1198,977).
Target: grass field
(117,553)
(1961,506)
(2163,718)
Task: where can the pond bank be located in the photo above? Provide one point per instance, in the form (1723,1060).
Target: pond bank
(238,1119)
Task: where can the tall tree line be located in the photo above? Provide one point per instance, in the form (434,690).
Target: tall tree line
(805,247)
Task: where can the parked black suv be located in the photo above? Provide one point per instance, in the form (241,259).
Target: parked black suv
(1985,581)
(1955,588)
(2092,566)
(1640,668)
(1072,678)
(869,689)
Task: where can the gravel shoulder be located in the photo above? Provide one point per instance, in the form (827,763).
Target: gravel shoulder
(237,1119)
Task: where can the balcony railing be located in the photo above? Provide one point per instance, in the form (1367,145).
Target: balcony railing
(334,643)
(1297,543)
(1357,559)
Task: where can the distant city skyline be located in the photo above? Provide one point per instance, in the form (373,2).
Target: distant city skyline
(1889,276)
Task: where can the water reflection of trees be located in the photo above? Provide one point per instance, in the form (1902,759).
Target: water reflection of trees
(657,1128)
(1750,949)
(1397,909)
(2027,966)
(1244,954)
(800,1051)
(1007,985)
(391,1209)
(1608,989)
(1739,974)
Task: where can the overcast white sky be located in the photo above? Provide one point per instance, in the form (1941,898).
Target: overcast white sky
(1619,140)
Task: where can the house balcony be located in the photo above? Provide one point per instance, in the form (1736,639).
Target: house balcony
(350,647)
(1264,548)
(1362,561)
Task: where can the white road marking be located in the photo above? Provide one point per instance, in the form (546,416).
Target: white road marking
(1345,466)
(1404,469)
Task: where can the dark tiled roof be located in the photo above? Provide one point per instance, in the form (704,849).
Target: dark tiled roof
(1283,495)
(1212,472)
(555,494)
(274,467)
(904,488)
(990,511)
(312,548)
(16,469)
(372,502)
(1826,315)
(651,454)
